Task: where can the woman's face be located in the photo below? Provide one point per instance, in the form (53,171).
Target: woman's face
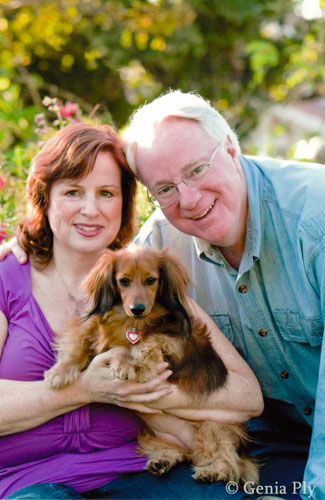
(85,214)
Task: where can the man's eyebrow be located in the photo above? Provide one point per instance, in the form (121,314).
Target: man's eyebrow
(159,184)
(194,163)
(164,182)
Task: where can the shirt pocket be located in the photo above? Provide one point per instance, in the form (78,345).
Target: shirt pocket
(295,327)
(223,322)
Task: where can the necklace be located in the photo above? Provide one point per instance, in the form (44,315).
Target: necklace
(78,304)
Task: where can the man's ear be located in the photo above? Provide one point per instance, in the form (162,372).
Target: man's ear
(230,148)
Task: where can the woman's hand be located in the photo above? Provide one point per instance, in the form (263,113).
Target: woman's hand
(13,247)
(28,404)
(98,385)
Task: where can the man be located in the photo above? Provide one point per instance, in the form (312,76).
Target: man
(252,231)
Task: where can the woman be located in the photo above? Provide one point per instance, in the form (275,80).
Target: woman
(56,444)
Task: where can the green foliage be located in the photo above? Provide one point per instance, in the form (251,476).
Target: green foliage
(237,52)
(110,56)
(12,187)
(144,207)
(263,55)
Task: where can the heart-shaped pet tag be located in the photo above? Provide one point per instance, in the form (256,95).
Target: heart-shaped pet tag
(133,336)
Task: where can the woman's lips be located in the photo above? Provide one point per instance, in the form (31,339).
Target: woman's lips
(88,229)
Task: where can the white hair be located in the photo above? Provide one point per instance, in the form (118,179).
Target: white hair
(145,120)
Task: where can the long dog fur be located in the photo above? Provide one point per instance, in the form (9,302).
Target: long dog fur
(118,285)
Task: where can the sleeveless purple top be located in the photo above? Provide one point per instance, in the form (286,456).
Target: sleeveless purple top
(85,448)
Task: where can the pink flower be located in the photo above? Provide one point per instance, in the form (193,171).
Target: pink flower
(68,109)
(3,232)
(2,182)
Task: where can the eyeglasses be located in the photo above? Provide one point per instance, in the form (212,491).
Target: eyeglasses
(194,177)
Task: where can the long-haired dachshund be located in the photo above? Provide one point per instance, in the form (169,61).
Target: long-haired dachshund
(139,310)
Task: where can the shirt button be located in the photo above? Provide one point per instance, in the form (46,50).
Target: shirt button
(308,410)
(242,288)
(284,374)
(262,332)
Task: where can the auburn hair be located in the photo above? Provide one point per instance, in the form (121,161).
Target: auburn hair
(71,154)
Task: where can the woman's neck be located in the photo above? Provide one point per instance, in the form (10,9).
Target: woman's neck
(72,266)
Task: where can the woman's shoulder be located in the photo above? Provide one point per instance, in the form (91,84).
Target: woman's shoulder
(15,283)
(12,270)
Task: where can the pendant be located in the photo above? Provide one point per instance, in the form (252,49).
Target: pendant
(133,336)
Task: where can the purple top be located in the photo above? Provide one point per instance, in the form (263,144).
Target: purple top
(85,448)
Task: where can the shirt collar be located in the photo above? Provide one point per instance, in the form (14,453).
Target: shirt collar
(207,251)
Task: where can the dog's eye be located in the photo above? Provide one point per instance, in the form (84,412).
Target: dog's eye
(124,282)
(151,281)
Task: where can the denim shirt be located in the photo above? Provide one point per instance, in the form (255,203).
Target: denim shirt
(273,307)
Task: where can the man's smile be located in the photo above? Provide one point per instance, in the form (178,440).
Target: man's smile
(205,212)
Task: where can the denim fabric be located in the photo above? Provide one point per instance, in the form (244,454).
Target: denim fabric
(280,447)
(45,492)
(273,308)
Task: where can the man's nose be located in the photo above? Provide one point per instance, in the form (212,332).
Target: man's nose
(189,196)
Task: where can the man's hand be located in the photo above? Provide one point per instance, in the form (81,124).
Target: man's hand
(13,247)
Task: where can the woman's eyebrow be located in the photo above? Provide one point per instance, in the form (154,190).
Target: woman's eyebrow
(73,183)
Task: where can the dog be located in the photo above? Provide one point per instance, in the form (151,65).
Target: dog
(139,310)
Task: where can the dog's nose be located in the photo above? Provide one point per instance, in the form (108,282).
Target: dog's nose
(137,309)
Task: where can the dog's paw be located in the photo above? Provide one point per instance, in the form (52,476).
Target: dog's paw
(202,475)
(205,475)
(159,467)
(144,375)
(57,377)
(122,370)
(215,472)
(249,471)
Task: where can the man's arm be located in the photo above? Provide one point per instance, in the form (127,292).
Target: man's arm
(12,246)
(241,397)
(3,331)
(314,473)
(239,400)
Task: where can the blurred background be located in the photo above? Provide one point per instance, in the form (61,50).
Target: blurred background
(260,62)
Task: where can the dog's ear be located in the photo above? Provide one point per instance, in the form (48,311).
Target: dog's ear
(100,284)
(174,280)
(175,276)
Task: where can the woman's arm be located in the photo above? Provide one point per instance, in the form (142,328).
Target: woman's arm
(25,405)
(237,401)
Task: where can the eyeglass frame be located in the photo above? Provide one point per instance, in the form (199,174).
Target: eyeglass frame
(183,180)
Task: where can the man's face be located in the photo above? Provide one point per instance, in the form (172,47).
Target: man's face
(216,210)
